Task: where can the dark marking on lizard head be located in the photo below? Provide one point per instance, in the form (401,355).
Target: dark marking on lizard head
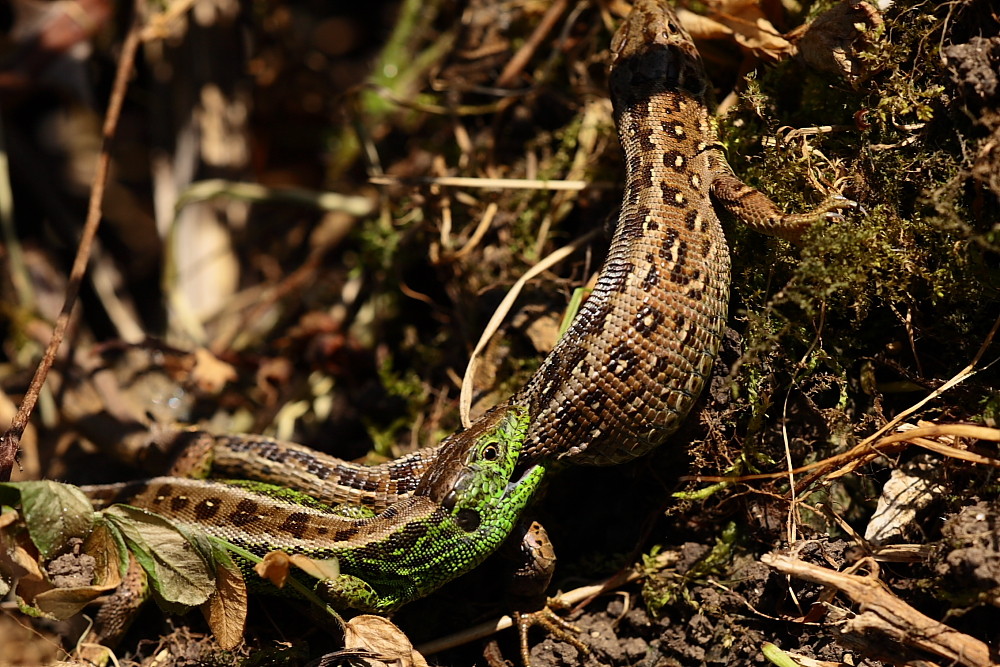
(468,519)
(652,53)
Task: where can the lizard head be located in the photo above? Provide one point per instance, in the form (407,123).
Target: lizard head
(482,466)
(652,52)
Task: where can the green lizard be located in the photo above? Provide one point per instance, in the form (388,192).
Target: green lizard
(401,554)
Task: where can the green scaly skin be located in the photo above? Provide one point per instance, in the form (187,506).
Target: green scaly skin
(399,555)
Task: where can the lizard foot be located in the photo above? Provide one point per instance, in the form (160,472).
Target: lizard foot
(554,624)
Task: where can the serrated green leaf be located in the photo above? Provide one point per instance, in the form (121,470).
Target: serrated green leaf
(174,560)
(53,512)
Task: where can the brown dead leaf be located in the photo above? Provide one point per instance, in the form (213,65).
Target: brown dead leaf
(274,567)
(832,41)
(752,30)
(701,27)
(380,637)
(210,374)
(319,569)
(226,610)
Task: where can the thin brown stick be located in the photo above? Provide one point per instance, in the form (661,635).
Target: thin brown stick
(517,64)
(11,439)
(885,620)
(889,444)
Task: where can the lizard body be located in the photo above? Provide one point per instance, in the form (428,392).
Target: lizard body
(401,554)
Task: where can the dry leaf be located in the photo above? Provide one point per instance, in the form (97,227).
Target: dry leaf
(379,636)
(226,610)
(320,569)
(831,42)
(274,567)
(210,374)
(752,30)
(701,27)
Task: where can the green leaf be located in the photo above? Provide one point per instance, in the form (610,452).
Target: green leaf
(178,569)
(53,512)
(778,657)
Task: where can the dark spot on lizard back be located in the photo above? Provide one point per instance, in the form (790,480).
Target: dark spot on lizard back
(673,159)
(207,508)
(673,196)
(246,512)
(652,278)
(691,219)
(647,321)
(624,360)
(165,491)
(179,503)
(295,524)
(345,534)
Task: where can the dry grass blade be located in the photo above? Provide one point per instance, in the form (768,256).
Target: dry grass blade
(465,403)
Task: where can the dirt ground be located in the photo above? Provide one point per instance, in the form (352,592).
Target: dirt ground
(832,499)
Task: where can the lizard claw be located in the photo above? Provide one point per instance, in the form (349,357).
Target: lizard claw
(555,625)
(834,205)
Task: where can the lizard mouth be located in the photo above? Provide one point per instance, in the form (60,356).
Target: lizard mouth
(451,499)
(514,483)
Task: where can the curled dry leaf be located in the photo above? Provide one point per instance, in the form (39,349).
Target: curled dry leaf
(274,567)
(752,30)
(831,42)
(383,639)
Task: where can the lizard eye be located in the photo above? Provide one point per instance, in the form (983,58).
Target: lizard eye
(491,453)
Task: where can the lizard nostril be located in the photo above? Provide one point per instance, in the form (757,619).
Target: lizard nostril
(468,520)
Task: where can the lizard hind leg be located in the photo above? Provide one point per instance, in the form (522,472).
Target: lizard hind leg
(756,210)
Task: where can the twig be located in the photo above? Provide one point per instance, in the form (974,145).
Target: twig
(517,64)
(885,618)
(10,440)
